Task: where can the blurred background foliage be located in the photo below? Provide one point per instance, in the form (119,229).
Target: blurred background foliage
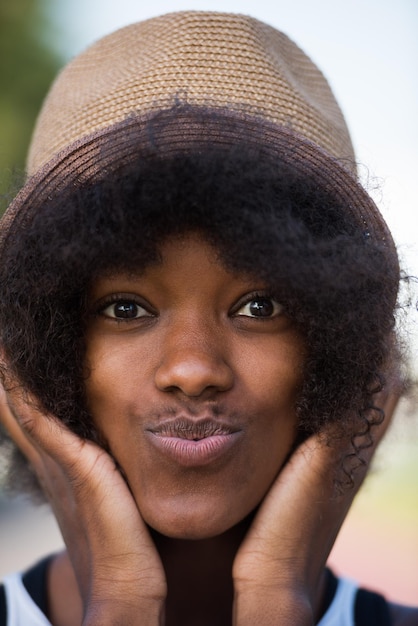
(29,60)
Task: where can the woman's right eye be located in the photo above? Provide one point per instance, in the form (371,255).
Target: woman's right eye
(125,310)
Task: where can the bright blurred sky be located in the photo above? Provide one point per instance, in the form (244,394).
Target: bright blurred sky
(368,49)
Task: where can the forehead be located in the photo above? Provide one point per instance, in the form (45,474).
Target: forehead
(187,262)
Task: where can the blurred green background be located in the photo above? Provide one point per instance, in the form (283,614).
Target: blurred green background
(28,62)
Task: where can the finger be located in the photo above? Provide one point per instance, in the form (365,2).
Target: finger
(34,428)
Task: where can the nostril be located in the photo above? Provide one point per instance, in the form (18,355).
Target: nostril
(193,375)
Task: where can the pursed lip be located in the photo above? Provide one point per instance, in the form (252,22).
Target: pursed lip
(193,442)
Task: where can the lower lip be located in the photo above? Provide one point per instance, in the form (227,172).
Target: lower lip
(194,453)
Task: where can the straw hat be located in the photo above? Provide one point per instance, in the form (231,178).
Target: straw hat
(235,65)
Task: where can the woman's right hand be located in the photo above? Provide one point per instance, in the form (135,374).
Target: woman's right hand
(117,567)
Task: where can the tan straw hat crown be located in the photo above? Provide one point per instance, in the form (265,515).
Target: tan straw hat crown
(211,59)
(268,91)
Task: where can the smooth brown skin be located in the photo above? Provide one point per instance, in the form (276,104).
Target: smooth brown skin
(193,350)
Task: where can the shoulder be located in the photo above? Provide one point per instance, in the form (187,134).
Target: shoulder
(403,615)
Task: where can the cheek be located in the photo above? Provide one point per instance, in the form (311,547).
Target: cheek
(114,384)
(273,373)
(274,384)
(118,354)
(271,379)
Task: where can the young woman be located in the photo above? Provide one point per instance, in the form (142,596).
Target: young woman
(197,330)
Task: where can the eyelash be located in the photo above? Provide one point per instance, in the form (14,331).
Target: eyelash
(253,298)
(118,298)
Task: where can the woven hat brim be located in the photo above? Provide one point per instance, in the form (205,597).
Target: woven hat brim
(183,128)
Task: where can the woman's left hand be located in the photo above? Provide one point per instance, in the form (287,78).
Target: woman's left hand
(279,567)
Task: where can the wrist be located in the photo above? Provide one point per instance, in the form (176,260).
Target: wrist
(123,596)
(114,612)
(268,607)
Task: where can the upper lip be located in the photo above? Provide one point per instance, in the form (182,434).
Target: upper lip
(192,429)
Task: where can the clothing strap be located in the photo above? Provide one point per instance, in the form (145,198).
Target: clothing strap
(3,611)
(35,583)
(371,608)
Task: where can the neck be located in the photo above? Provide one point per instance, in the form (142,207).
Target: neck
(199,577)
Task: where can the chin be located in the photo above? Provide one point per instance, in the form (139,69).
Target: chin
(192,526)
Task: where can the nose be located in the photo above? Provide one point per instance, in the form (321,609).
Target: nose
(193,365)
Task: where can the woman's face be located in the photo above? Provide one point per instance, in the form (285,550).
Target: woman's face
(194,373)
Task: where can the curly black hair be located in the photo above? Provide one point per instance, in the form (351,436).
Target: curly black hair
(263,216)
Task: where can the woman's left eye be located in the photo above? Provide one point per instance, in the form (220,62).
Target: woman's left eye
(261,307)
(124,309)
